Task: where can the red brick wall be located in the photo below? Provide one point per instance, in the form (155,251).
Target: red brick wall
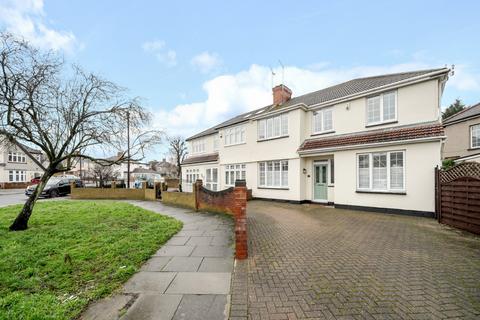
(231,201)
(14,185)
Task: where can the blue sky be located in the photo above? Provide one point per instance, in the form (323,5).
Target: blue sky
(196,63)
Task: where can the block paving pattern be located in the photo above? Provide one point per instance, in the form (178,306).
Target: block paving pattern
(314,262)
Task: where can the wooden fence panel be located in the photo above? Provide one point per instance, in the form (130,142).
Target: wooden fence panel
(458,196)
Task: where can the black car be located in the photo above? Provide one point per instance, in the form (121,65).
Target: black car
(55,187)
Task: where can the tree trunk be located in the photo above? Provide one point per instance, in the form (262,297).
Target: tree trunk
(21,221)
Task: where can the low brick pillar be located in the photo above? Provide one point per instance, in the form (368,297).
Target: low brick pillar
(196,190)
(114,184)
(240,215)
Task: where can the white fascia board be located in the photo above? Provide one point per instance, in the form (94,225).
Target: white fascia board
(308,153)
(302,106)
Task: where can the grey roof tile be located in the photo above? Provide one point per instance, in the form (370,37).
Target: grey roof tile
(465,114)
(338,91)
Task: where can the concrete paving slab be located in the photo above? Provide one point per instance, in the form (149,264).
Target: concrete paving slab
(153,307)
(200,283)
(216,265)
(174,251)
(178,241)
(149,282)
(190,233)
(217,232)
(155,263)
(108,308)
(221,241)
(200,307)
(183,264)
(212,251)
(201,240)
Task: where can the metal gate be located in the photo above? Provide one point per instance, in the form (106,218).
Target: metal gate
(458,196)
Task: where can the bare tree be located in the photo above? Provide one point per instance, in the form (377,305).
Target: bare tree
(67,114)
(178,150)
(103,174)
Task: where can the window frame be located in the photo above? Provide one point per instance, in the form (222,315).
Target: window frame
(263,127)
(382,120)
(198,146)
(389,188)
(321,112)
(234,170)
(281,164)
(471,136)
(232,133)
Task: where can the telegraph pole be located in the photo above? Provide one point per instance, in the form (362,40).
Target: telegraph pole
(128,149)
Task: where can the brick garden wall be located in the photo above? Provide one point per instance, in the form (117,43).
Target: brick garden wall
(14,185)
(181,199)
(113,193)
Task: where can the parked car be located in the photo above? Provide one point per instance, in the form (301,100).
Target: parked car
(55,187)
(35,180)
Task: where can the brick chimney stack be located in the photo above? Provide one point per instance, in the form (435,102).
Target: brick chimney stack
(281,94)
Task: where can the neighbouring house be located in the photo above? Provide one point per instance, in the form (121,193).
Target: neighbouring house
(83,168)
(121,170)
(17,168)
(165,168)
(145,174)
(369,143)
(463,135)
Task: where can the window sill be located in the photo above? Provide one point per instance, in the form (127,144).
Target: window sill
(321,133)
(382,192)
(380,123)
(473,149)
(234,144)
(275,138)
(274,188)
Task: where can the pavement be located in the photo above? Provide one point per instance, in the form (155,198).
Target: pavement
(187,278)
(314,262)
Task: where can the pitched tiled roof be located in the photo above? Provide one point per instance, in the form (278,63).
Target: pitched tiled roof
(211,157)
(375,136)
(467,113)
(342,90)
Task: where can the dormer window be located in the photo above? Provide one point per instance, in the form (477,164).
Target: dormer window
(382,108)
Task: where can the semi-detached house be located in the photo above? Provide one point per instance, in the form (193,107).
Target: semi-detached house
(369,143)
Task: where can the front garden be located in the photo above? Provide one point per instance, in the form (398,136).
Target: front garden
(74,252)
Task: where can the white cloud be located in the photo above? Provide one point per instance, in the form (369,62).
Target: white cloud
(206,61)
(26,18)
(158,48)
(232,94)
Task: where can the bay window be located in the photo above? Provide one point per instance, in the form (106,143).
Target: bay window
(381,171)
(273,174)
(235,135)
(17,176)
(234,172)
(323,121)
(382,108)
(274,127)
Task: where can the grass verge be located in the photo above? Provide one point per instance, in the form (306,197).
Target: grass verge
(74,252)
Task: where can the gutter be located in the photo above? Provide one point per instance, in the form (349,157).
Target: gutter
(369,145)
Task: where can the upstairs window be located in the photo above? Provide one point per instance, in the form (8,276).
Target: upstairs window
(16,157)
(235,135)
(475,136)
(323,121)
(382,108)
(273,127)
(198,146)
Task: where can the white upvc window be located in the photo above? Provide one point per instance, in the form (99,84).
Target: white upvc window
(475,136)
(273,127)
(382,108)
(17,176)
(234,172)
(16,157)
(234,135)
(381,171)
(322,121)
(273,174)
(211,179)
(198,146)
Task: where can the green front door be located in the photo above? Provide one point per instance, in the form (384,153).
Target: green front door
(320,186)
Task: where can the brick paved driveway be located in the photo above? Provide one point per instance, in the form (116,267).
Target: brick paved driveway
(313,262)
